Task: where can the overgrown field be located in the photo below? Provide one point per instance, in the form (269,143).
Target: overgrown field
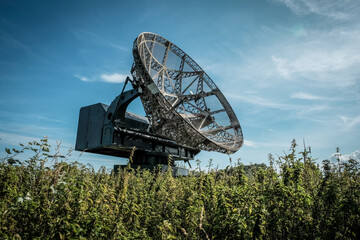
(291,198)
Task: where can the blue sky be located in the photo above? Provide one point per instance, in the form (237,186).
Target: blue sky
(290,69)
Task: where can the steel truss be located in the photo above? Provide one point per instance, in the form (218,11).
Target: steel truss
(178,97)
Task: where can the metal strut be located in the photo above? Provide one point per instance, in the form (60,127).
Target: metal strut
(117,109)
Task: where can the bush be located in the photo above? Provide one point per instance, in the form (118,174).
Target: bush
(292,198)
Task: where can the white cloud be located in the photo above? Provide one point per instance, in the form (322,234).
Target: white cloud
(249,143)
(268,103)
(281,66)
(295,110)
(109,78)
(339,67)
(259,101)
(15,139)
(322,61)
(334,9)
(83,78)
(113,78)
(305,96)
(350,122)
(43,118)
(19,115)
(331,58)
(346,157)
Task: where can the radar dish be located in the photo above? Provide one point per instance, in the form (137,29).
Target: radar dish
(180,99)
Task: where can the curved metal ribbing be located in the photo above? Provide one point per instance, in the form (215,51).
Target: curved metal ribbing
(180,99)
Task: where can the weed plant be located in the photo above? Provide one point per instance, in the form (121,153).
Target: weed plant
(291,198)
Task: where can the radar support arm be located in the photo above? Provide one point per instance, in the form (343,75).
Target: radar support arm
(117,108)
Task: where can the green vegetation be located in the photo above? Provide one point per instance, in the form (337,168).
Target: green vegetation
(292,198)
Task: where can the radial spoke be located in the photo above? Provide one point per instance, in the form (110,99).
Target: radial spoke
(201,110)
(185,97)
(166,54)
(220,128)
(159,72)
(178,77)
(151,50)
(197,95)
(189,85)
(202,122)
(217,111)
(169,79)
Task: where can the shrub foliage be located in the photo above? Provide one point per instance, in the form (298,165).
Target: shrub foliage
(292,198)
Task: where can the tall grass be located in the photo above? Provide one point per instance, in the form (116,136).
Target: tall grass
(292,198)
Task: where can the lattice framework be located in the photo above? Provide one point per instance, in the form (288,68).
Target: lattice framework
(179,97)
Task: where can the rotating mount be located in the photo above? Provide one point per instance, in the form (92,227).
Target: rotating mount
(186,111)
(110,130)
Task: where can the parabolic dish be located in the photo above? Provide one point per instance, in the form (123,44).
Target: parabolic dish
(180,99)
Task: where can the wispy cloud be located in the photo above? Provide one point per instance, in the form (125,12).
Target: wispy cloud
(305,96)
(34,130)
(335,9)
(96,38)
(296,110)
(15,139)
(108,78)
(306,111)
(9,138)
(83,78)
(43,118)
(13,125)
(350,122)
(329,57)
(321,65)
(249,143)
(113,78)
(22,116)
(260,101)
(11,42)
